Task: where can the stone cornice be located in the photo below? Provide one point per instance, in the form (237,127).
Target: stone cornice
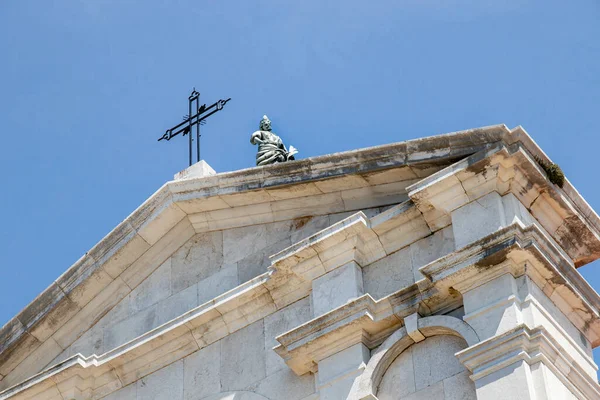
(509,169)
(516,249)
(522,250)
(362,320)
(225,200)
(531,346)
(338,182)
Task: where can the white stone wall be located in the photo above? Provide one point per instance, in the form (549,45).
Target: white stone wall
(242,363)
(208,265)
(428,370)
(401,269)
(243,366)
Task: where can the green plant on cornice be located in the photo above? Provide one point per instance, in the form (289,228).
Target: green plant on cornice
(555,174)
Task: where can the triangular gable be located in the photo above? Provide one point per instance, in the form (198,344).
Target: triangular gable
(129,267)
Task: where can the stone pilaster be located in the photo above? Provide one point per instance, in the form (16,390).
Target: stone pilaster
(338,372)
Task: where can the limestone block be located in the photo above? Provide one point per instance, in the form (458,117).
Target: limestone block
(126,393)
(280,322)
(157,225)
(236,396)
(539,310)
(199,205)
(244,215)
(41,356)
(339,390)
(152,290)
(125,256)
(434,359)
(305,206)
(118,313)
(257,263)
(511,382)
(351,359)
(491,308)
(490,293)
(305,226)
(390,175)
(83,280)
(547,384)
(412,329)
(389,274)
(477,219)
(238,243)
(336,288)
(369,212)
(130,328)
(399,379)
(58,359)
(177,304)
(226,278)
(91,313)
(515,211)
(246,198)
(197,259)
(495,320)
(431,248)
(201,373)
(164,384)
(243,357)
(374,196)
(344,182)
(158,253)
(200,169)
(298,190)
(459,387)
(285,384)
(338,372)
(434,392)
(91,342)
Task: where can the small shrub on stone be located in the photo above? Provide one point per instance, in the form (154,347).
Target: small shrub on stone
(555,174)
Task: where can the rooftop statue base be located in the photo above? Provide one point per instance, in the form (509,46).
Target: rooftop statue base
(197,170)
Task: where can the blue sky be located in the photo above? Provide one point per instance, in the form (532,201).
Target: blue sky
(87,86)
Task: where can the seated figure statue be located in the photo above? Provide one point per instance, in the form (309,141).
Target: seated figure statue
(271,149)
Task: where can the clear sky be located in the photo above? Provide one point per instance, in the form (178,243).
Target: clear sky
(87,87)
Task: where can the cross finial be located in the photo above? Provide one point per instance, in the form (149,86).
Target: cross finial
(196,116)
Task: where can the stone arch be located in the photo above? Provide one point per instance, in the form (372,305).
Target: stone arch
(365,387)
(239,395)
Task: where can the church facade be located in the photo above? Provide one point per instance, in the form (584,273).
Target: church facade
(438,268)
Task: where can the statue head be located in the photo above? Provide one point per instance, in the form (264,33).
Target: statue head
(265,124)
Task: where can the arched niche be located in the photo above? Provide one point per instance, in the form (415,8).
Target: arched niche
(366,386)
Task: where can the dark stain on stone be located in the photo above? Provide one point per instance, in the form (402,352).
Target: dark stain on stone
(477,165)
(494,255)
(300,222)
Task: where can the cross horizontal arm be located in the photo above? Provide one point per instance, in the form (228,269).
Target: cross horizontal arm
(184,126)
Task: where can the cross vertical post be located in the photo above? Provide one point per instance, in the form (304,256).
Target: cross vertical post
(196,115)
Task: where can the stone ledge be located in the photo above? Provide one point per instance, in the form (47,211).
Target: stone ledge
(367,321)
(160,213)
(522,250)
(532,346)
(509,169)
(165,209)
(362,320)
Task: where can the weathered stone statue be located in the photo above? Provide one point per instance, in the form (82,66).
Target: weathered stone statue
(271,149)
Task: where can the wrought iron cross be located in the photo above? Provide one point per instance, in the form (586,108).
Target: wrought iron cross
(189,121)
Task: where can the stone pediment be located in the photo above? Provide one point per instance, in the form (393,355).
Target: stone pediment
(413,173)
